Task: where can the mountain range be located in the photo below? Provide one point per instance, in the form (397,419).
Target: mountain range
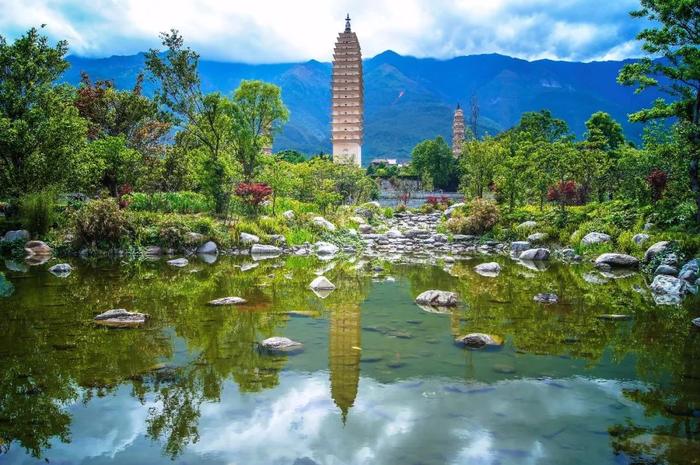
(410,99)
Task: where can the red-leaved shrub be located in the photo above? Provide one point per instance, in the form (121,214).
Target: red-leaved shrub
(566,193)
(657,180)
(253,193)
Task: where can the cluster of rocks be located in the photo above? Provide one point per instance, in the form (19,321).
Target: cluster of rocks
(670,283)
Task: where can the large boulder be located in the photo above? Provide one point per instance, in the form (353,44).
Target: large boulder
(437,298)
(479,341)
(325,248)
(535,255)
(594,238)
(324,223)
(667,270)
(208,248)
(120,318)
(490,269)
(617,259)
(227,301)
(261,249)
(16,235)
(661,247)
(322,283)
(277,344)
(248,239)
(689,272)
(668,285)
(37,248)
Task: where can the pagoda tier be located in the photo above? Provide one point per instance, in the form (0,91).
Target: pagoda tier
(348,98)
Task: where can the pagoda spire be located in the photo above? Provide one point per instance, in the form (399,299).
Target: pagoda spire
(347,23)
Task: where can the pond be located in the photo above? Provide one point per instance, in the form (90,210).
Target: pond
(379,380)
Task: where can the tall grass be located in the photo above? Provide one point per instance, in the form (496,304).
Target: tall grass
(37,212)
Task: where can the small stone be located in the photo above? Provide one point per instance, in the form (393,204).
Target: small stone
(260,249)
(153,251)
(61,270)
(527,225)
(394,234)
(321,283)
(248,266)
(491,269)
(437,298)
(248,239)
(279,344)
(227,301)
(689,271)
(325,248)
(546,298)
(479,341)
(365,229)
(538,237)
(178,262)
(288,215)
(594,238)
(121,318)
(696,322)
(640,238)
(208,248)
(195,238)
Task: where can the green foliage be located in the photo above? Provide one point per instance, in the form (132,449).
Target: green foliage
(482,215)
(169,202)
(100,223)
(37,211)
(6,287)
(299,236)
(478,164)
(434,162)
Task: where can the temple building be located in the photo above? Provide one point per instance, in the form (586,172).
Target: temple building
(348,98)
(344,356)
(457,131)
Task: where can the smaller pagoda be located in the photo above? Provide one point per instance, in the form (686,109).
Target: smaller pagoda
(457,131)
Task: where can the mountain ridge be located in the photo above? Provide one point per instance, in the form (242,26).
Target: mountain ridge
(408,99)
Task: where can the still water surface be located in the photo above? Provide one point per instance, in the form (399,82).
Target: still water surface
(379,381)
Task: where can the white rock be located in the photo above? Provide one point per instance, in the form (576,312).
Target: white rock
(527,225)
(324,223)
(538,237)
(535,254)
(325,248)
(260,249)
(16,235)
(208,248)
(289,215)
(490,269)
(321,283)
(394,234)
(668,289)
(478,341)
(120,318)
(61,270)
(450,210)
(178,262)
(281,344)
(593,238)
(227,301)
(247,239)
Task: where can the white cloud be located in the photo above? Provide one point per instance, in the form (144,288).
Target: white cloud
(274,30)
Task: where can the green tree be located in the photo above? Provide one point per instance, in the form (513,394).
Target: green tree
(292,156)
(511,173)
(479,162)
(675,37)
(257,114)
(434,162)
(41,133)
(115,163)
(603,128)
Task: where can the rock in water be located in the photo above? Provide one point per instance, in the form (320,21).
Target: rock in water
(668,285)
(120,318)
(153,251)
(696,322)
(322,284)
(178,262)
(479,341)
(535,255)
(227,301)
(435,298)
(6,287)
(37,248)
(689,271)
(594,238)
(326,248)
(279,344)
(546,298)
(61,270)
(259,249)
(656,249)
(617,259)
(324,223)
(490,269)
(208,248)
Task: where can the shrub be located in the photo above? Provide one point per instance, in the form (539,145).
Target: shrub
(170,202)
(657,181)
(566,193)
(253,193)
(299,236)
(37,211)
(173,233)
(100,222)
(483,216)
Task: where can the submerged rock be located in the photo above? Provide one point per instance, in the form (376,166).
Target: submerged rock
(321,283)
(178,262)
(535,254)
(227,301)
(546,298)
(436,298)
(491,269)
(594,238)
(479,341)
(277,344)
(121,318)
(61,270)
(618,259)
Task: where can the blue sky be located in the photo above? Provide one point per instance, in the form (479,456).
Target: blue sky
(266,31)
